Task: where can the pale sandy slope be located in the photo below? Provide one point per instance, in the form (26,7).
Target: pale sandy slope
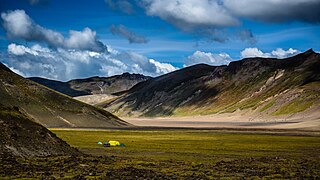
(234,120)
(94,99)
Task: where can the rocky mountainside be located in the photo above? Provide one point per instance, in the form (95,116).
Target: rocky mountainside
(48,107)
(93,85)
(20,136)
(259,86)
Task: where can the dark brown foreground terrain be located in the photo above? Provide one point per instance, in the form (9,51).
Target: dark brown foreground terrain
(91,167)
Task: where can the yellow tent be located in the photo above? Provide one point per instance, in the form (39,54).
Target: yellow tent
(114,143)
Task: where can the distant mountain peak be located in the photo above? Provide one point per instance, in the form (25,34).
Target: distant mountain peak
(94,85)
(310,51)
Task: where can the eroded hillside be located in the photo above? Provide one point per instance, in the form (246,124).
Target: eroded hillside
(257,86)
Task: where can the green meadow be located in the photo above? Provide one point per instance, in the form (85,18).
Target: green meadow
(206,154)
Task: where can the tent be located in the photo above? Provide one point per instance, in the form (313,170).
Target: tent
(114,143)
(106,144)
(111,143)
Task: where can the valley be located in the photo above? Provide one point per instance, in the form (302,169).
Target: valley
(256,118)
(159,89)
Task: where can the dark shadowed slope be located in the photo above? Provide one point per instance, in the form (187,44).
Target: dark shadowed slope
(62,87)
(262,86)
(93,85)
(50,108)
(20,136)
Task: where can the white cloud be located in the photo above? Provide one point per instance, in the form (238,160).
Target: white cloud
(66,64)
(19,25)
(83,40)
(162,68)
(225,13)
(208,58)
(275,10)
(14,70)
(17,49)
(209,19)
(278,53)
(253,52)
(191,14)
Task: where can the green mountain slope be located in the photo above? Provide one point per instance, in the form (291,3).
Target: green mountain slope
(260,86)
(50,108)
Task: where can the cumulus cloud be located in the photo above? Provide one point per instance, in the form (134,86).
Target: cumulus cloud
(66,64)
(19,25)
(275,10)
(121,5)
(207,18)
(224,58)
(253,52)
(79,55)
(162,68)
(208,58)
(132,37)
(191,14)
(226,13)
(278,53)
(18,50)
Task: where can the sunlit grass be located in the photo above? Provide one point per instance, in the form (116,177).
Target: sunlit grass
(195,146)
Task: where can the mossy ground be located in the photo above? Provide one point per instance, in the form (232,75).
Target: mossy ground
(172,154)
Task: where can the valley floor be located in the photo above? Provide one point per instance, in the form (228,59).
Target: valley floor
(179,154)
(230,121)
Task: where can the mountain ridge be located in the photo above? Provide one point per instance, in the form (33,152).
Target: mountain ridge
(93,85)
(50,108)
(248,84)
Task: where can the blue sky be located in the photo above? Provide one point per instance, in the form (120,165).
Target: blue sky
(165,31)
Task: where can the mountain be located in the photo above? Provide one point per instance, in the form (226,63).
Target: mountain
(93,85)
(50,108)
(20,136)
(62,87)
(258,86)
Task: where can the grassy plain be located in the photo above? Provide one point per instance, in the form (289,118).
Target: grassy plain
(205,154)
